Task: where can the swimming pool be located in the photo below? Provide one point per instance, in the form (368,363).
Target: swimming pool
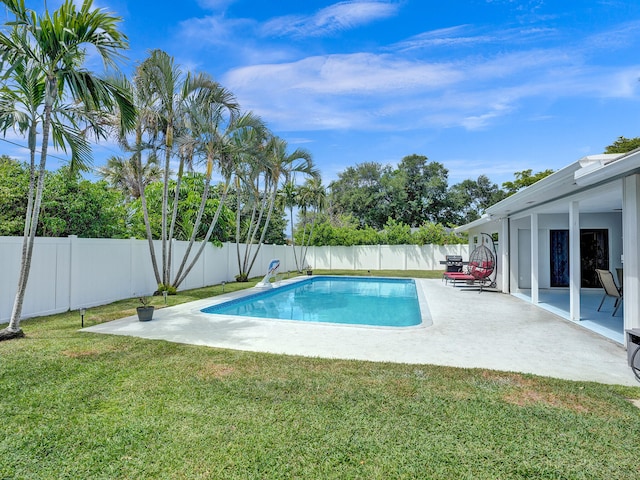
(387,302)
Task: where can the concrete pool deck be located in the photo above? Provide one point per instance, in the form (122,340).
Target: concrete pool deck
(469,330)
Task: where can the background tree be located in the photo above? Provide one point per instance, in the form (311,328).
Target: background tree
(414,192)
(470,198)
(524,179)
(623,145)
(437,234)
(54,48)
(358,193)
(123,175)
(396,233)
(423,191)
(14,186)
(342,231)
(74,206)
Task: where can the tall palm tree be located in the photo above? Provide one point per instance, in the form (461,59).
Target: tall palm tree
(145,132)
(166,82)
(221,144)
(254,182)
(283,168)
(53,47)
(173,92)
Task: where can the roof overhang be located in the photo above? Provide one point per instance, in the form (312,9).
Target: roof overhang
(483,220)
(583,175)
(608,169)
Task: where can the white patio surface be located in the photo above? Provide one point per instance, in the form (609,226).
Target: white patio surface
(469,329)
(602,322)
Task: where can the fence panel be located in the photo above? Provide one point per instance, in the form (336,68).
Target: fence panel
(69,273)
(99,268)
(366,257)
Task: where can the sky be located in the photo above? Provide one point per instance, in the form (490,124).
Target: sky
(484,87)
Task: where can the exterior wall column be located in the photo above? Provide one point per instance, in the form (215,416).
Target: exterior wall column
(505,267)
(631,250)
(535,297)
(574,261)
(514,253)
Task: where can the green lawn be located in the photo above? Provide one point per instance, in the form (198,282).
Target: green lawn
(81,405)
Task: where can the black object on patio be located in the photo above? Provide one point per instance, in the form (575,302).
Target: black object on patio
(453,263)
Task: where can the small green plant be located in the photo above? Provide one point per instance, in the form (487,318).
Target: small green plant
(145,301)
(170,289)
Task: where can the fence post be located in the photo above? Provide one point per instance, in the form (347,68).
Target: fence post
(72,263)
(131,247)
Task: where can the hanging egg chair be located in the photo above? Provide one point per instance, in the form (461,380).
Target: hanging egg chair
(482,262)
(481,269)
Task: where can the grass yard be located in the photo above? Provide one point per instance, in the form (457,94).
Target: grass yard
(79,405)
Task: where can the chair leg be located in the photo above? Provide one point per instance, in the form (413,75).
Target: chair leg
(602,301)
(618,303)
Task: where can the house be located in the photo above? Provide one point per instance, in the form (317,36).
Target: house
(551,237)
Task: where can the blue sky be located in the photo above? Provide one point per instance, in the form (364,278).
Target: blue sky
(482,86)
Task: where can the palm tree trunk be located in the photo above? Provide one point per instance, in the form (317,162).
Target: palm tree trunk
(238,227)
(304,237)
(204,242)
(306,248)
(174,213)
(198,220)
(248,245)
(264,228)
(293,242)
(143,202)
(13,330)
(165,205)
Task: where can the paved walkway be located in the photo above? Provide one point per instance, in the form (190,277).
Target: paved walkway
(469,329)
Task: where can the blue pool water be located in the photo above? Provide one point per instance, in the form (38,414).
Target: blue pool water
(386,302)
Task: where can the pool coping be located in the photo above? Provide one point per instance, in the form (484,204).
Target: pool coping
(470,330)
(425,314)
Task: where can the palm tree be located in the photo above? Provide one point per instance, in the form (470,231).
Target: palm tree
(173,92)
(289,198)
(52,48)
(254,184)
(284,167)
(311,201)
(146,131)
(221,144)
(122,174)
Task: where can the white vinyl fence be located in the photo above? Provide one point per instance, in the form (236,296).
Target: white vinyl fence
(70,273)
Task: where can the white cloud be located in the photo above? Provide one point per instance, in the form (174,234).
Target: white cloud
(469,36)
(447,37)
(360,74)
(327,21)
(385,92)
